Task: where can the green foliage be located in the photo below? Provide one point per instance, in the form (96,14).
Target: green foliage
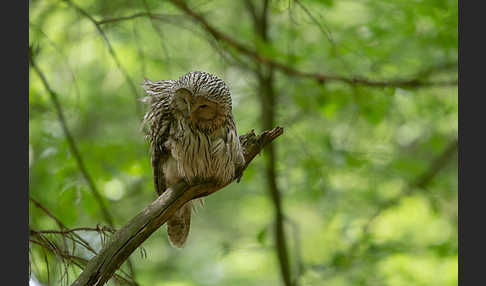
(347,149)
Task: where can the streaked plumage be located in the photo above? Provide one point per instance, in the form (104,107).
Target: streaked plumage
(192,136)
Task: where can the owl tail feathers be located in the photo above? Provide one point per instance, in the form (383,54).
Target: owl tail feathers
(195,205)
(178,226)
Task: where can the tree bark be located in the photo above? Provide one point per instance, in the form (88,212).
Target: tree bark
(102,267)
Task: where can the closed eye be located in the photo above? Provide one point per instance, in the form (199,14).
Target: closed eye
(203,106)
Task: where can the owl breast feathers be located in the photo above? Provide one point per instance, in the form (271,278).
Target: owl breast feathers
(192,136)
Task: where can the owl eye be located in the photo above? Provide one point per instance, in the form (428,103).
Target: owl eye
(203,106)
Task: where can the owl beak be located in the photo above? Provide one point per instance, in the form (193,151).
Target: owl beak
(191,117)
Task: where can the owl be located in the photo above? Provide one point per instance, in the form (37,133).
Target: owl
(192,135)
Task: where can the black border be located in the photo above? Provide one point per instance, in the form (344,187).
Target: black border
(471,109)
(15,143)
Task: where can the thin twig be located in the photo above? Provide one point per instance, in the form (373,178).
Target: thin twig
(413,82)
(82,241)
(123,18)
(327,33)
(148,14)
(71,142)
(421,182)
(72,232)
(76,154)
(157,29)
(76,260)
(65,58)
(217,34)
(110,50)
(64,231)
(46,211)
(67,233)
(125,241)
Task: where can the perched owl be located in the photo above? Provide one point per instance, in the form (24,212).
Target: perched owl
(192,136)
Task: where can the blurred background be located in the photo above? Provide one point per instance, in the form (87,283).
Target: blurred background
(361,189)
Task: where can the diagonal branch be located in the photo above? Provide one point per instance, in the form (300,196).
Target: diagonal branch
(63,55)
(420,182)
(327,33)
(157,29)
(74,259)
(79,240)
(153,16)
(176,20)
(414,82)
(320,77)
(73,147)
(101,267)
(70,234)
(47,212)
(71,143)
(64,231)
(110,50)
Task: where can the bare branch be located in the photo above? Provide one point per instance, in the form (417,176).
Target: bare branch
(64,57)
(413,82)
(70,258)
(327,33)
(79,240)
(46,211)
(74,150)
(437,165)
(157,29)
(119,19)
(217,34)
(110,50)
(64,231)
(176,21)
(420,182)
(71,143)
(68,234)
(101,267)
(148,14)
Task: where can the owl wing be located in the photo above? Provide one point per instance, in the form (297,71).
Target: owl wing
(159,118)
(233,141)
(158,160)
(236,150)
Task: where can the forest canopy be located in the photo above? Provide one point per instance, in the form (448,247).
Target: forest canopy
(361,189)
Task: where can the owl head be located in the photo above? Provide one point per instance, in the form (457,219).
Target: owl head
(202,99)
